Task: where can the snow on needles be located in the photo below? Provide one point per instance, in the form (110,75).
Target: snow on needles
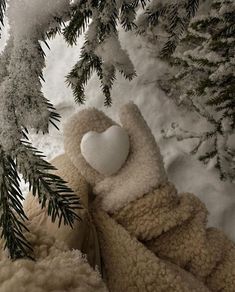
(22,102)
(33,17)
(112,53)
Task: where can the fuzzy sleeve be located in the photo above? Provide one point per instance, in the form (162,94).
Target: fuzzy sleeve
(173,226)
(83,235)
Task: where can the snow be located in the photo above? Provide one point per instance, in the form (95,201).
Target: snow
(106,152)
(184,171)
(111,52)
(30,17)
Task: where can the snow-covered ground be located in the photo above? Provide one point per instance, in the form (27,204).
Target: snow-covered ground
(184,171)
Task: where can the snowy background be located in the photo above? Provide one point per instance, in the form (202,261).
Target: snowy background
(184,171)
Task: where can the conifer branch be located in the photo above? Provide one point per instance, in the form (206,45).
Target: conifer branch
(51,190)
(128,15)
(54,117)
(175,22)
(107,78)
(2,10)
(81,73)
(205,81)
(23,105)
(12,215)
(56,29)
(177,25)
(191,8)
(79,21)
(102,28)
(220,151)
(143,3)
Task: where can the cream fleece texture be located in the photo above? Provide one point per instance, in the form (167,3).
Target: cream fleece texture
(56,269)
(143,206)
(154,240)
(143,169)
(173,226)
(130,266)
(60,265)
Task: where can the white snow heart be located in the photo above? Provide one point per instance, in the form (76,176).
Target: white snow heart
(106,152)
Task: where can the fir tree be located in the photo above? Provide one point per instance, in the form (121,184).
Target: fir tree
(205,79)
(172,17)
(23,105)
(2,10)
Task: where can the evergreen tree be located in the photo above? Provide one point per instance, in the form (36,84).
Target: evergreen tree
(171,17)
(205,80)
(2,10)
(23,105)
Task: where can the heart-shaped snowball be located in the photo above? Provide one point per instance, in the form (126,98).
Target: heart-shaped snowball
(106,152)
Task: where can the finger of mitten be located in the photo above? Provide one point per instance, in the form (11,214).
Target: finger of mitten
(143,170)
(81,123)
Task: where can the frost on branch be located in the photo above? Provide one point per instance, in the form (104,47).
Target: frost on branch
(23,106)
(203,77)
(213,144)
(2,11)
(102,52)
(171,19)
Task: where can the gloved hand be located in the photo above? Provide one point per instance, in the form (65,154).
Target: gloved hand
(140,199)
(143,170)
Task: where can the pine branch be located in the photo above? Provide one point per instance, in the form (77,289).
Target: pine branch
(175,22)
(100,31)
(11,210)
(108,24)
(51,190)
(56,29)
(154,15)
(107,76)
(222,154)
(169,47)
(81,73)
(128,15)
(143,3)
(2,11)
(54,117)
(77,25)
(229,31)
(176,28)
(191,8)
(23,105)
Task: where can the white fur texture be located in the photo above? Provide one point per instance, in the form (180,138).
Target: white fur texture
(106,152)
(56,269)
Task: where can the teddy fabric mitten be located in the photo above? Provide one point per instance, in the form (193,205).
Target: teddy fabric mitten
(139,197)
(141,171)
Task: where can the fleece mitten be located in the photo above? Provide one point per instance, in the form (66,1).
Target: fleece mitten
(140,198)
(143,170)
